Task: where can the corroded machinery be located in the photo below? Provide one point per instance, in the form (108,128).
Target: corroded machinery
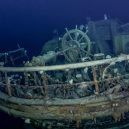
(68,83)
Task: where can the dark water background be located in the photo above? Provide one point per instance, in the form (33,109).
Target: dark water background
(9,122)
(30,23)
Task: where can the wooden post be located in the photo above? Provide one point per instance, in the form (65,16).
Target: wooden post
(26,79)
(35,78)
(8,84)
(5,58)
(45,85)
(12,61)
(95,81)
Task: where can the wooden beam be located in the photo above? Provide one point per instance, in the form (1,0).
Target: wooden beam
(65,66)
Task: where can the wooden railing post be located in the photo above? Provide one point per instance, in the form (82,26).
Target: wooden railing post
(26,79)
(45,84)
(35,78)
(8,84)
(95,81)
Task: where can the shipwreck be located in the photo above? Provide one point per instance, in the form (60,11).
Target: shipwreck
(81,76)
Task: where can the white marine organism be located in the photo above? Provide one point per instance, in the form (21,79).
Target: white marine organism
(78,76)
(41,72)
(85,70)
(27,121)
(71,81)
(105,17)
(108,57)
(115,70)
(82,27)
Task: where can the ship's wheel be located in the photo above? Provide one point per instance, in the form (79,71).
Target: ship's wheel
(75,44)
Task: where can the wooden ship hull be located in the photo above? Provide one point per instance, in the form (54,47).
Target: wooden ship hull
(53,86)
(59,109)
(112,102)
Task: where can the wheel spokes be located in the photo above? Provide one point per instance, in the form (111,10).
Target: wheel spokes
(69,34)
(81,38)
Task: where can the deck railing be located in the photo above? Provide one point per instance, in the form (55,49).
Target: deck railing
(28,78)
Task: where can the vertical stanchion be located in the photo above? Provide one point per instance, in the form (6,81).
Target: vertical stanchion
(95,81)
(45,85)
(26,79)
(8,84)
(35,78)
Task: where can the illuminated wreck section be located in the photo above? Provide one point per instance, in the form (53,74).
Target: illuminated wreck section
(70,83)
